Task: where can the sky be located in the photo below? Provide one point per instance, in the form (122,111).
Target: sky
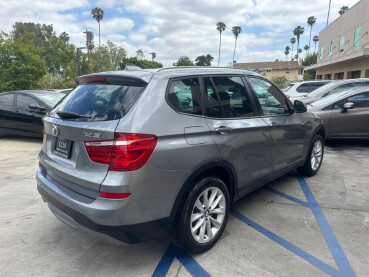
(173,28)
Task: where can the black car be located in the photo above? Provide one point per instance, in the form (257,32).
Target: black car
(21,112)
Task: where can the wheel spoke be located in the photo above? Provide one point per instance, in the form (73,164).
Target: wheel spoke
(195,217)
(205,198)
(202,231)
(212,196)
(199,205)
(209,232)
(197,226)
(215,222)
(219,210)
(216,202)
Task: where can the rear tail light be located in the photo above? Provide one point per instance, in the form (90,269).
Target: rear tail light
(43,136)
(114,195)
(287,96)
(127,152)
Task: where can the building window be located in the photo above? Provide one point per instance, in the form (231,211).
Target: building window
(269,71)
(330,45)
(260,71)
(342,43)
(357,36)
(321,52)
(287,71)
(300,71)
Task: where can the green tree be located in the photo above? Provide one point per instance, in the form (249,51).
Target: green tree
(310,59)
(20,66)
(204,60)
(141,63)
(298,31)
(287,51)
(184,61)
(315,39)
(236,30)
(306,48)
(98,15)
(293,41)
(280,81)
(106,57)
(342,10)
(311,21)
(220,27)
(140,54)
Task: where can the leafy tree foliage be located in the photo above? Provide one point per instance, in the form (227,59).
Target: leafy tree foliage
(280,81)
(140,63)
(107,57)
(310,59)
(184,61)
(204,60)
(20,66)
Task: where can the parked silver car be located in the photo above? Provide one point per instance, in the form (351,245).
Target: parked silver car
(300,90)
(332,88)
(125,157)
(345,114)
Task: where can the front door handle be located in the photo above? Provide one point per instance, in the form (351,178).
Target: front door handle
(223,130)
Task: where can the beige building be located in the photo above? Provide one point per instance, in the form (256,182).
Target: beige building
(343,51)
(290,69)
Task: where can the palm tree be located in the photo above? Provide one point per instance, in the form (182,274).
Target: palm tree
(236,30)
(311,21)
(287,51)
(306,48)
(220,27)
(98,14)
(293,41)
(315,39)
(343,10)
(298,31)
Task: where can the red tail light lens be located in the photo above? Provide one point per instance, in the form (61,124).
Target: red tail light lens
(126,152)
(287,96)
(114,195)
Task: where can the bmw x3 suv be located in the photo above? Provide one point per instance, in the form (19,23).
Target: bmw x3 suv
(136,154)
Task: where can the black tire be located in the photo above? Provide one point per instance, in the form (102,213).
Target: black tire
(307,168)
(181,229)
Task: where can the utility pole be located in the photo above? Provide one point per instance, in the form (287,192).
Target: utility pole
(89,38)
(153,56)
(78,61)
(329,9)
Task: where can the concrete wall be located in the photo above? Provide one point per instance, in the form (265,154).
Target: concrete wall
(345,25)
(347,68)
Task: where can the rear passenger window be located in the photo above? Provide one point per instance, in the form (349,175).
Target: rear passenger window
(229,98)
(23,101)
(360,100)
(185,96)
(7,99)
(304,88)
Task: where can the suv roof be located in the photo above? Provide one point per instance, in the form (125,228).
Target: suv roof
(170,72)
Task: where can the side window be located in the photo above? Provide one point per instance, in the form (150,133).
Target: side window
(342,88)
(185,96)
(23,101)
(271,100)
(360,101)
(303,88)
(229,98)
(7,99)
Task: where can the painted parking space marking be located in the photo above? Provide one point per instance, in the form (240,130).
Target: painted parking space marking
(344,267)
(183,257)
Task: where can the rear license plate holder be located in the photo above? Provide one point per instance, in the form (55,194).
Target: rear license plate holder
(63,148)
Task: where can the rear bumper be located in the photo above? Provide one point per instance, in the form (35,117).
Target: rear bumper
(80,216)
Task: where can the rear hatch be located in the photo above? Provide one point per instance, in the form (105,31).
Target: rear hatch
(90,113)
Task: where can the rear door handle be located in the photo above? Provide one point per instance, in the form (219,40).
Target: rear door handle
(223,130)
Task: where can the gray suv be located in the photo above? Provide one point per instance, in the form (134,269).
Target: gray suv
(135,155)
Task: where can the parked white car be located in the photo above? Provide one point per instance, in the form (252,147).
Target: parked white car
(299,90)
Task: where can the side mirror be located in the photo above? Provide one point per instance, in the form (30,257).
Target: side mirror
(348,106)
(299,106)
(36,107)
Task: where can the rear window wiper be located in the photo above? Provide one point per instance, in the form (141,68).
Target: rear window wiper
(71,115)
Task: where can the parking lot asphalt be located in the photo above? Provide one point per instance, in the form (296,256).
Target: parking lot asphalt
(294,226)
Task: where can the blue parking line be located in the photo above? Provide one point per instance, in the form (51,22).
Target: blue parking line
(289,246)
(187,261)
(347,154)
(289,197)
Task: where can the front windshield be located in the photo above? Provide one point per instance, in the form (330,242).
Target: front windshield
(322,89)
(51,99)
(326,100)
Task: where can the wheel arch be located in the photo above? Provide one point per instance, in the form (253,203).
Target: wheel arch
(220,168)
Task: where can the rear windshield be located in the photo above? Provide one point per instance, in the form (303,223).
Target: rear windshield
(99,102)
